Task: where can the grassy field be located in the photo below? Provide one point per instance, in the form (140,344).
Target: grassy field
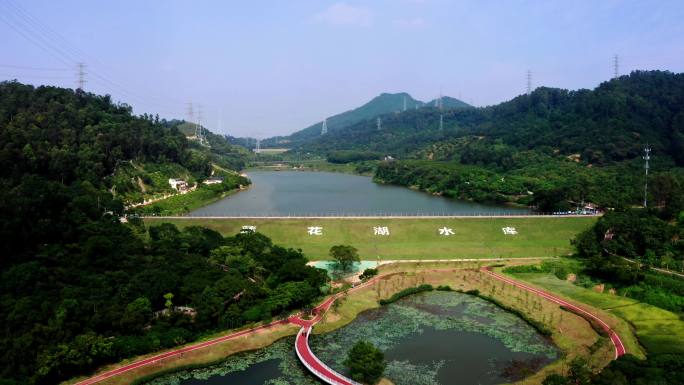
(413,238)
(658,330)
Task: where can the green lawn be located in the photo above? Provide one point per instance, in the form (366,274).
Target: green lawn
(658,330)
(413,238)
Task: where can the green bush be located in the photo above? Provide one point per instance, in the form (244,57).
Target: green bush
(368,273)
(406,292)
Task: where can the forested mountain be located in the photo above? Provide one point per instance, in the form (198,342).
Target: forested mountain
(609,123)
(78,288)
(380,105)
(571,145)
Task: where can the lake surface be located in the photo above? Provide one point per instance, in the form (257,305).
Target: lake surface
(434,338)
(301,193)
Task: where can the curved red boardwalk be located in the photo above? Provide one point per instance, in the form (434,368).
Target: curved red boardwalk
(302,341)
(614,338)
(306,356)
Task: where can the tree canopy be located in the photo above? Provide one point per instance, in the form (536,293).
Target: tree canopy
(365,362)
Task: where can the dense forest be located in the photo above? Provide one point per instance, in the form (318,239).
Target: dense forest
(622,246)
(561,146)
(79,288)
(665,369)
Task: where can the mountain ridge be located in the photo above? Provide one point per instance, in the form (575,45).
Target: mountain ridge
(385,103)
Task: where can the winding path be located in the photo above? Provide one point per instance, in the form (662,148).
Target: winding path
(614,337)
(306,356)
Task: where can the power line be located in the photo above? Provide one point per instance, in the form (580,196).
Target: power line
(16,76)
(59,48)
(16,67)
(647,157)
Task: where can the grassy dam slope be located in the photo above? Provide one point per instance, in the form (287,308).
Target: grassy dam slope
(410,238)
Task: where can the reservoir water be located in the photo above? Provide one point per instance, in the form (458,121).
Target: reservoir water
(435,338)
(302,193)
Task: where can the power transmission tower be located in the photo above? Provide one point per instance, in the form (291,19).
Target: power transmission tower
(198,127)
(647,157)
(378,123)
(80,72)
(616,66)
(404,103)
(324,127)
(441,122)
(529,82)
(258,146)
(190,112)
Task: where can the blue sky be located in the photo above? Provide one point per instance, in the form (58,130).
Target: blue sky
(273,67)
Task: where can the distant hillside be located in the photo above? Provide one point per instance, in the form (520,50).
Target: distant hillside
(219,151)
(610,123)
(380,105)
(552,149)
(448,103)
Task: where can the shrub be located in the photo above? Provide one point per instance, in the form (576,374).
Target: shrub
(368,273)
(406,292)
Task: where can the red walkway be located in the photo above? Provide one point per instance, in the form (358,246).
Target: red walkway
(315,366)
(173,353)
(614,338)
(306,356)
(302,341)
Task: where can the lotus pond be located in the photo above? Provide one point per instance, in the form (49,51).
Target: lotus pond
(433,338)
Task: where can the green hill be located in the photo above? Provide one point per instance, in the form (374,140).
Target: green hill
(553,148)
(380,105)
(79,288)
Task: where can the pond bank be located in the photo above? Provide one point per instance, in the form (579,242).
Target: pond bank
(571,333)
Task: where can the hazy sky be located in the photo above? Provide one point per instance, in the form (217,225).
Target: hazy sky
(272,67)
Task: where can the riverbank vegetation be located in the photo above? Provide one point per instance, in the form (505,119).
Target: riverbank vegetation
(178,204)
(412,238)
(405,293)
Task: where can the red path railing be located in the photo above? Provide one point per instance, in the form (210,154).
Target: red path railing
(614,338)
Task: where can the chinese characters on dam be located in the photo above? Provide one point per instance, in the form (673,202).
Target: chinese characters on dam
(379,230)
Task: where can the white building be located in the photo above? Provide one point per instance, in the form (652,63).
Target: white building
(178,184)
